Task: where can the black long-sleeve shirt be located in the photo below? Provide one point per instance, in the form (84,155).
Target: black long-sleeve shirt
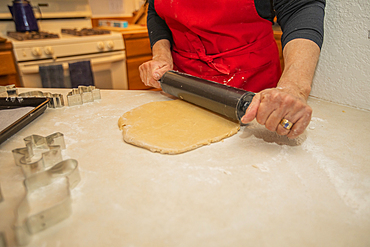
(297,19)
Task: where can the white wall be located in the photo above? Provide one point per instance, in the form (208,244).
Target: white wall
(114,8)
(343,72)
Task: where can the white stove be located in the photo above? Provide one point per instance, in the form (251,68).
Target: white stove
(66,45)
(106,52)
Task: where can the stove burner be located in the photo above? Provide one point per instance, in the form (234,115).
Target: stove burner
(32,35)
(85,31)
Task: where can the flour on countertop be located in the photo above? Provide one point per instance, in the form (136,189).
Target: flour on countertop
(316,119)
(48,196)
(281,156)
(349,188)
(316,123)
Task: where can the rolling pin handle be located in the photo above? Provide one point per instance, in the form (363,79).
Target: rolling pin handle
(243,104)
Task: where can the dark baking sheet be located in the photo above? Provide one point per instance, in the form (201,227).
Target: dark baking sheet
(40,105)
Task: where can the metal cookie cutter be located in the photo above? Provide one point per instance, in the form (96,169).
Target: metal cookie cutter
(46,173)
(56,99)
(83,94)
(8,91)
(50,148)
(65,176)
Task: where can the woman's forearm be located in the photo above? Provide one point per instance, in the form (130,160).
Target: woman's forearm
(300,60)
(152,71)
(162,48)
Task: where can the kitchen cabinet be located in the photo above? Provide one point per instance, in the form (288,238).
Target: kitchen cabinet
(138,51)
(277,36)
(8,69)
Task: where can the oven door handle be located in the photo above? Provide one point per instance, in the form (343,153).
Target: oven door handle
(109,59)
(94,61)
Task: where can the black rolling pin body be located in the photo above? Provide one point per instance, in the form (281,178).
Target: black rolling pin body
(222,99)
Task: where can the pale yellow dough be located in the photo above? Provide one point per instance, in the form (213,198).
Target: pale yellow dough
(174,126)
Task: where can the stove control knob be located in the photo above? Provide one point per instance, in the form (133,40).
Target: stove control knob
(49,50)
(36,51)
(100,46)
(110,44)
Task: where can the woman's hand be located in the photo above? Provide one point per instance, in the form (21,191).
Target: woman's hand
(152,71)
(270,106)
(289,100)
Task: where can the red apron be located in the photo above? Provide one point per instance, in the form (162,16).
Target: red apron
(222,40)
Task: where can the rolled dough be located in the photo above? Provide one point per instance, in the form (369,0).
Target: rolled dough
(174,126)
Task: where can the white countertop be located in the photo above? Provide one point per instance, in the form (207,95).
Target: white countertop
(252,189)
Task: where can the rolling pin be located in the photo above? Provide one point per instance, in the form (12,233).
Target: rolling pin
(225,100)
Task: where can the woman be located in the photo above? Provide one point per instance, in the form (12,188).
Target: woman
(231,42)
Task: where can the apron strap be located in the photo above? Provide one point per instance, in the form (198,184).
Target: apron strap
(200,51)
